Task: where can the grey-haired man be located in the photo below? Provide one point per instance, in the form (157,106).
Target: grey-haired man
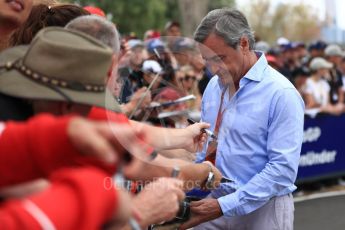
(258,115)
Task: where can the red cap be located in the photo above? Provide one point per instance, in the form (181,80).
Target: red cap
(271,59)
(95,10)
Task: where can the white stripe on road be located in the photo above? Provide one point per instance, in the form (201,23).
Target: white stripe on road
(318,196)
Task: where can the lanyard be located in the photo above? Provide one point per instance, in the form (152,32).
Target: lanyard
(212,145)
(219,114)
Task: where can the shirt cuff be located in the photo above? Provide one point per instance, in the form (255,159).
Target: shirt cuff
(229,204)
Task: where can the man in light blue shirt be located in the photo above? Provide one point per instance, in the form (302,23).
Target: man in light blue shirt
(260,134)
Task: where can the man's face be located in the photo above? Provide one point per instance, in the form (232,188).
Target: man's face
(174,31)
(222,59)
(137,56)
(336,60)
(188,79)
(115,83)
(149,77)
(182,58)
(13,13)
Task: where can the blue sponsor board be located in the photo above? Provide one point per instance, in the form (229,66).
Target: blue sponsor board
(323,149)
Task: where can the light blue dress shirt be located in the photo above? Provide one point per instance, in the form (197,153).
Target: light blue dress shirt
(260,138)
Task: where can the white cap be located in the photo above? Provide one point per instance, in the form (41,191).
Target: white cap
(320,63)
(262,46)
(282,41)
(151,66)
(334,50)
(132,43)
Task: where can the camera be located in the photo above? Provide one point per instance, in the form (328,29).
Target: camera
(184,211)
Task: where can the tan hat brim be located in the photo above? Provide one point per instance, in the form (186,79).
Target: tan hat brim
(13,83)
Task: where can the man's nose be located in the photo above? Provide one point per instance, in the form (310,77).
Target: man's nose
(213,67)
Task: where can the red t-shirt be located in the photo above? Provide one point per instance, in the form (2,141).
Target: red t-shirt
(77,197)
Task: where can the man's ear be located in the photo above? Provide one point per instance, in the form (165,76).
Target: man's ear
(244,44)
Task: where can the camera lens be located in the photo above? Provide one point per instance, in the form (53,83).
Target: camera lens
(184,211)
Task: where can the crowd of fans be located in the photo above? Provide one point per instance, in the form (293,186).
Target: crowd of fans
(316,70)
(173,63)
(56,58)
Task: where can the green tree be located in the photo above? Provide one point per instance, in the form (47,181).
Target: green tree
(215,4)
(133,15)
(140,15)
(192,11)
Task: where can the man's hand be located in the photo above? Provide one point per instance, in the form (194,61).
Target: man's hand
(124,52)
(105,141)
(139,94)
(135,99)
(195,139)
(202,211)
(123,210)
(92,138)
(136,169)
(159,201)
(217,176)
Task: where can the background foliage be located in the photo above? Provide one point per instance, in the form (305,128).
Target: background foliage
(295,22)
(140,15)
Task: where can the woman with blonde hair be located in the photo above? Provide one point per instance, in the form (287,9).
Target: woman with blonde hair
(188,82)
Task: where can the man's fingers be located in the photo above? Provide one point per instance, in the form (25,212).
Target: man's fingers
(93,143)
(202,137)
(174,185)
(204,125)
(112,135)
(142,89)
(123,138)
(198,209)
(193,221)
(180,194)
(196,203)
(100,147)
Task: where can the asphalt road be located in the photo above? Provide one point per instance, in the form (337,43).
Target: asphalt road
(320,213)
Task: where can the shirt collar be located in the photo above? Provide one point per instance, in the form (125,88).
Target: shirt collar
(255,73)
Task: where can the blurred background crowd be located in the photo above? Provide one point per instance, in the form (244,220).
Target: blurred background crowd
(315,67)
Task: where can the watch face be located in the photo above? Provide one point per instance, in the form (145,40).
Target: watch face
(210,180)
(175,172)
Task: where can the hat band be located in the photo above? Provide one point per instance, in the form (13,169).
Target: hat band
(42,79)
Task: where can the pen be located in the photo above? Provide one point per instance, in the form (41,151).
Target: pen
(207,131)
(225,180)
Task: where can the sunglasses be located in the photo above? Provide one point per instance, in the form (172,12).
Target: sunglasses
(187,78)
